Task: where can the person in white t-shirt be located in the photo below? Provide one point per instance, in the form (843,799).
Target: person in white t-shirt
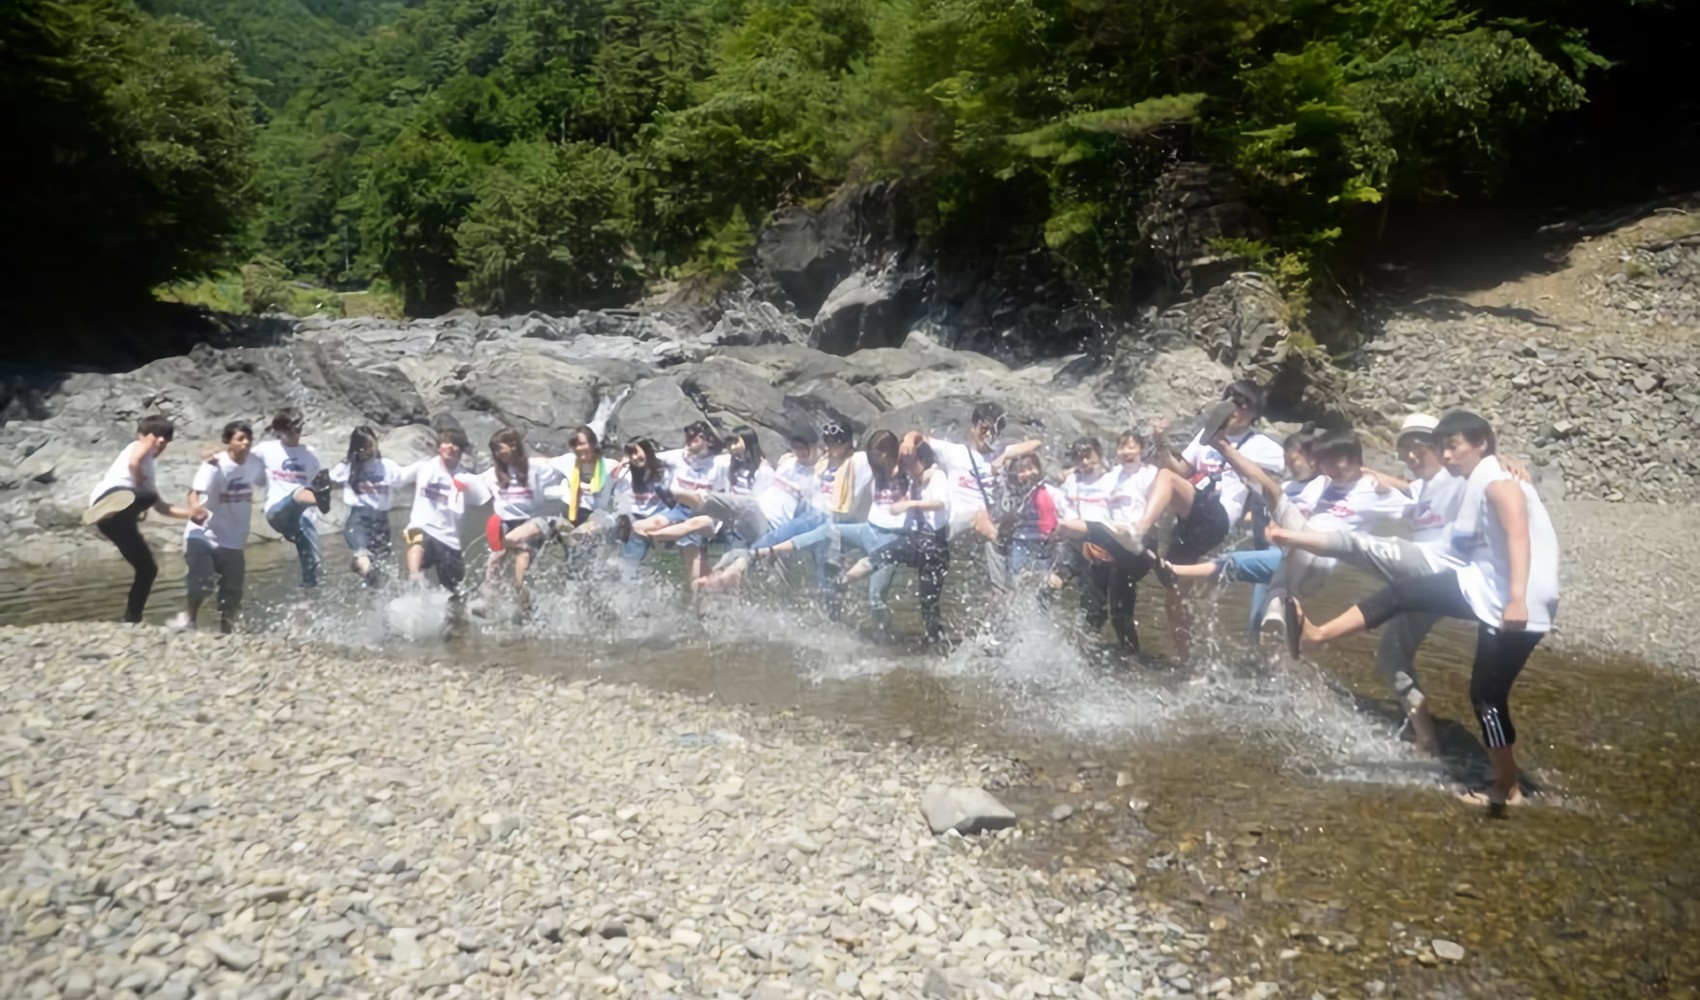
(1026,530)
(295,484)
(737,510)
(369,483)
(443,490)
(584,492)
(517,484)
(214,544)
(788,497)
(975,468)
(1437,495)
(701,466)
(921,518)
(1082,501)
(1506,581)
(123,497)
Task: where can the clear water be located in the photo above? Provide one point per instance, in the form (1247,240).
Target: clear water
(1281,806)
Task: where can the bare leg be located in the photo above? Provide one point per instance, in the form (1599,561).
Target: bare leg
(723,579)
(649,524)
(522,565)
(493,569)
(1320,543)
(305,495)
(693,556)
(416,563)
(863,567)
(701,524)
(1198,571)
(1180,619)
(1170,494)
(1348,622)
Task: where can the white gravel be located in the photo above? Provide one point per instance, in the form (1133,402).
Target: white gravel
(190,815)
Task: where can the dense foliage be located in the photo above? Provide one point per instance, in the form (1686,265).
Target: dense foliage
(511,154)
(129,155)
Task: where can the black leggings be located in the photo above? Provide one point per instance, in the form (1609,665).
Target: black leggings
(1500,655)
(929,554)
(1110,588)
(124,531)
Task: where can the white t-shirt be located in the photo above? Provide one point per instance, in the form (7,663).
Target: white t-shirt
(705,473)
(880,514)
(644,503)
(287,469)
(936,485)
(789,488)
(600,499)
(1207,461)
(374,487)
(1295,493)
(826,484)
(227,489)
(1477,535)
(1087,499)
(441,498)
(1436,507)
(118,474)
(972,478)
(1126,492)
(521,499)
(1355,506)
(748,482)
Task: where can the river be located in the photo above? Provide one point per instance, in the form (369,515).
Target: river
(1318,849)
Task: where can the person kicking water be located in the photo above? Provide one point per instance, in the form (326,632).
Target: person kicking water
(369,483)
(295,484)
(123,497)
(1218,483)
(1506,581)
(1436,496)
(443,491)
(214,543)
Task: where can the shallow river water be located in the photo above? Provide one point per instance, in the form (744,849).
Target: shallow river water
(1281,805)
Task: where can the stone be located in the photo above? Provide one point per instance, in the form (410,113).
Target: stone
(121,808)
(1449,950)
(964,810)
(1061,812)
(230,954)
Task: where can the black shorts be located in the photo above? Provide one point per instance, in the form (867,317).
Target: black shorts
(1204,529)
(448,562)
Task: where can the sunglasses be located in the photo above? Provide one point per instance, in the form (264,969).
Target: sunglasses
(1239,399)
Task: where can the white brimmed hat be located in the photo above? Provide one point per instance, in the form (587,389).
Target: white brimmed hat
(1418,423)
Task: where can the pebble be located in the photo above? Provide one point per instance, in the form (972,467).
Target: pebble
(1449,950)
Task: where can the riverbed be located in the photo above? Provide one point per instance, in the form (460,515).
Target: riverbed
(1278,810)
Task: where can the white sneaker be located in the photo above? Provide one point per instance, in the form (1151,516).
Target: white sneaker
(112,503)
(180,622)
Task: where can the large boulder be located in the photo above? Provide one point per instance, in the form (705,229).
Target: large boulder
(870,308)
(1193,207)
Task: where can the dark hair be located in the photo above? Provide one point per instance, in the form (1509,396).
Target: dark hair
(362,448)
(1084,444)
(833,432)
(1301,439)
(645,478)
(589,434)
(156,425)
(288,419)
(745,467)
(520,467)
(803,434)
(456,437)
(925,457)
(884,445)
(988,413)
(1131,435)
(236,427)
(1337,444)
(1029,460)
(1248,390)
(700,427)
(1474,429)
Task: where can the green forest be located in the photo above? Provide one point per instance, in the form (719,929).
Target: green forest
(507,155)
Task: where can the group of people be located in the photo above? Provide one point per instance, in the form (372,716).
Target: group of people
(1477,543)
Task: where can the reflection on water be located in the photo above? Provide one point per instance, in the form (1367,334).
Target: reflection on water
(1282,803)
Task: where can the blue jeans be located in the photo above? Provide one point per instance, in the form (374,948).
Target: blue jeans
(289,519)
(1028,555)
(1258,567)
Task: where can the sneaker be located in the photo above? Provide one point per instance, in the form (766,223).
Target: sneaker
(322,491)
(1215,419)
(115,502)
(623,528)
(180,622)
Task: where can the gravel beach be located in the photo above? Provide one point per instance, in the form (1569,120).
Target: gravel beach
(189,815)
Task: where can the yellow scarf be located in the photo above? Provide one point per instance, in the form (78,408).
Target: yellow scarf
(843,486)
(573,487)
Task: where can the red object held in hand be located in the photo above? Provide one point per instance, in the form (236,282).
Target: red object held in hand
(493,533)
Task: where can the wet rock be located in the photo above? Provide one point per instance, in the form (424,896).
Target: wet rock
(1449,950)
